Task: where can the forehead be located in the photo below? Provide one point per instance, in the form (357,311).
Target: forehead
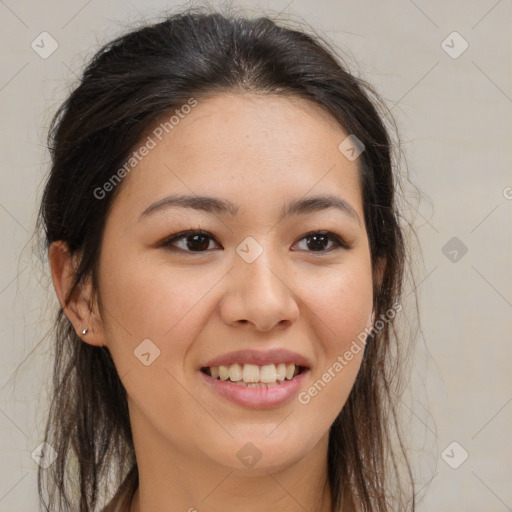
(248,146)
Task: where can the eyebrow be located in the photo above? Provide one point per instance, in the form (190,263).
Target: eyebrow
(219,206)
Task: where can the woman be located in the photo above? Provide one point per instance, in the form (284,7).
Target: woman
(224,242)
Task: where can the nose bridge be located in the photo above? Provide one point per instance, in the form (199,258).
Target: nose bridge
(261,273)
(257,269)
(259,292)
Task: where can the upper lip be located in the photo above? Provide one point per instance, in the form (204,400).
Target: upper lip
(259,357)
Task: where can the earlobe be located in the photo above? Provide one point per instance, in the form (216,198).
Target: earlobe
(77,304)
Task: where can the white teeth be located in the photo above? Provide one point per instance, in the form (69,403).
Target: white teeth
(224,372)
(253,375)
(235,372)
(281,371)
(268,373)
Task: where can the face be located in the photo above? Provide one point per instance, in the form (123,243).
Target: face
(259,274)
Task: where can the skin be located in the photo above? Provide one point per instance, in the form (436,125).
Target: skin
(259,152)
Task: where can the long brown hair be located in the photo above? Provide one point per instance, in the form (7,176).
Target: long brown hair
(129,84)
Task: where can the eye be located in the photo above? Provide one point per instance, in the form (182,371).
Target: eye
(199,241)
(194,241)
(319,240)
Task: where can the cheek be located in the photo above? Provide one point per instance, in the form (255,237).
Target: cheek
(343,302)
(340,307)
(152,301)
(166,306)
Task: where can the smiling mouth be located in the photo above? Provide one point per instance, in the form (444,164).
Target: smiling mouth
(252,375)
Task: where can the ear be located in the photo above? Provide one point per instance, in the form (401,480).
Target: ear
(81,309)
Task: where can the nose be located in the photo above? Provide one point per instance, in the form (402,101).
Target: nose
(259,293)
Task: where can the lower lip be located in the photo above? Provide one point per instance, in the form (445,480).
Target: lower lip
(257,398)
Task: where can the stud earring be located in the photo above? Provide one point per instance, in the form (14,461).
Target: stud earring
(84,331)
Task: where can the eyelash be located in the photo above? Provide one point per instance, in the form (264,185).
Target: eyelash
(167,243)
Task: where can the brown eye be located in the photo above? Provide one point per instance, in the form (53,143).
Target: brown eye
(191,241)
(319,241)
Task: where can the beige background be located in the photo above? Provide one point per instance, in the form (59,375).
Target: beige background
(455,119)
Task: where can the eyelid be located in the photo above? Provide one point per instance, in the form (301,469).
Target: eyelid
(167,241)
(338,240)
